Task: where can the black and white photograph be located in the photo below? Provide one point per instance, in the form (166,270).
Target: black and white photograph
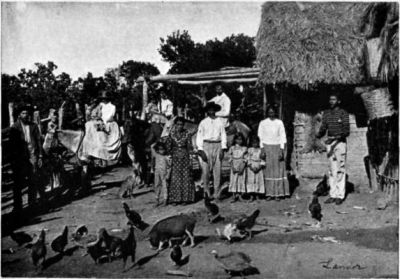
(224,139)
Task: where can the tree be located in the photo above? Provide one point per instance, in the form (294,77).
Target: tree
(186,56)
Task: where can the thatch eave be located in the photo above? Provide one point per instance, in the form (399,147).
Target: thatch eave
(307,44)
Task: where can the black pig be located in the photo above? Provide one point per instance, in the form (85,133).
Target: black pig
(172,227)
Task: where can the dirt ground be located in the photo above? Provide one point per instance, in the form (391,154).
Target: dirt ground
(367,238)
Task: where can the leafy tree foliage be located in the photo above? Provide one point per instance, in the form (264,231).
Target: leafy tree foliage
(186,56)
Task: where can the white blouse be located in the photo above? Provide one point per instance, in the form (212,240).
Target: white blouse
(272,132)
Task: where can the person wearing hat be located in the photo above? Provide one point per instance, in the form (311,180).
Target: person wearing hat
(26,158)
(211,144)
(224,102)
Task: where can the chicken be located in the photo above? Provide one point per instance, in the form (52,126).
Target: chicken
(21,238)
(59,243)
(134,218)
(315,209)
(245,224)
(96,251)
(176,254)
(233,262)
(212,208)
(128,247)
(322,188)
(80,232)
(39,249)
(113,243)
(227,232)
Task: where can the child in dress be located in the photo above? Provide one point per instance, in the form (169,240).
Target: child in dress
(161,165)
(237,159)
(255,177)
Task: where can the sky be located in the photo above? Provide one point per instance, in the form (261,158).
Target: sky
(81,37)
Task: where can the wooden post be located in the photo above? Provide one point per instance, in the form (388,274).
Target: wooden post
(280,105)
(11,113)
(145,100)
(61,115)
(264,102)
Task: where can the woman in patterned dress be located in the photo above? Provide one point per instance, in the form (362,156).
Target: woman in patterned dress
(237,154)
(179,143)
(255,177)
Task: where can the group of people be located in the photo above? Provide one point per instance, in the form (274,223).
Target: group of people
(257,164)
(257,169)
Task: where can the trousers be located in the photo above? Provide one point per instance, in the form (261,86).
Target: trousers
(160,185)
(337,169)
(213,165)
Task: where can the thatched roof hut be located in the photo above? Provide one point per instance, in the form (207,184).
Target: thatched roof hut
(305,44)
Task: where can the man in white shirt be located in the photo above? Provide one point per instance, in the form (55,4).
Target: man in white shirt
(224,102)
(211,144)
(166,106)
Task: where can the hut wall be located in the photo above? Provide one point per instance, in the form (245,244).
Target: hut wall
(315,164)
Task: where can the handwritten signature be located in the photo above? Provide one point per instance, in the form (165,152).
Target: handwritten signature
(329,264)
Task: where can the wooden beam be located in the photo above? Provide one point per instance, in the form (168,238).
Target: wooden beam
(198,82)
(11,113)
(213,74)
(144,100)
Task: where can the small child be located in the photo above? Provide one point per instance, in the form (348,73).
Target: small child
(255,176)
(161,166)
(237,159)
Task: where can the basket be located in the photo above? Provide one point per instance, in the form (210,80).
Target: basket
(378,103)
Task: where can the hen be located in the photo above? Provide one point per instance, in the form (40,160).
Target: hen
(128,247)
(21,237)
(315,209)
(39,249)
(134,218)
(59,243)
(234,262)
(245,224)
(176,254)
(112,243)
(322,188)
(212,208)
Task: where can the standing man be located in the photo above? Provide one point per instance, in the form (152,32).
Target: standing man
(224,102)
(336,121)
(166,106)
(26,154)
(211,144)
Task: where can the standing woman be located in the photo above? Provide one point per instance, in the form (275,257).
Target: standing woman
(179,144)
(273,142)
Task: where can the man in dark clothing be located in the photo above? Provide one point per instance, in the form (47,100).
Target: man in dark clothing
(336,121)
(26,159)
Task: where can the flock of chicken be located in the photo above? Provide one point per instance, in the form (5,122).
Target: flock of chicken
(107,246)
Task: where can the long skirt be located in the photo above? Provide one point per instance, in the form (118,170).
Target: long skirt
(181,188)
(255,181)
(275,180)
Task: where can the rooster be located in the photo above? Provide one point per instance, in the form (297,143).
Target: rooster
(134,218)
(245,224)
(39,250)
(227,232)
(59,243)
(315,209)
(128,247)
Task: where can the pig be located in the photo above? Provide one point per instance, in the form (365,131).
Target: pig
(172,227)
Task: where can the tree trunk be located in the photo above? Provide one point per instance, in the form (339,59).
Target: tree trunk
(61,116)
(265,100)
(11,112)
(36,119)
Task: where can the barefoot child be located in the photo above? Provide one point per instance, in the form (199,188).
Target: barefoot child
(237,154)
(255,177)
(161,166)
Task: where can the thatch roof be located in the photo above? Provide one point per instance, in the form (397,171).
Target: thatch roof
(308,44)
(381,20)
